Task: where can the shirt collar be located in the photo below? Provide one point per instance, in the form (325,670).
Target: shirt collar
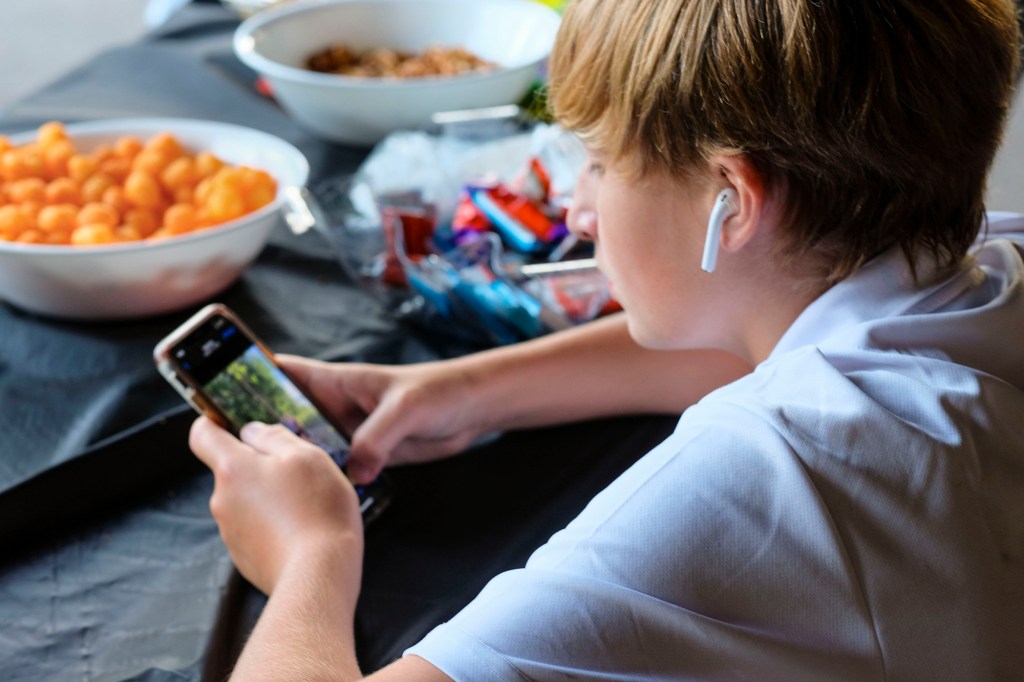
(882,288)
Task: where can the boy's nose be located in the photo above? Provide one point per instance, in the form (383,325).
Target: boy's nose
(583,223)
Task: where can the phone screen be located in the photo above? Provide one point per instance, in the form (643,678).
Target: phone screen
(238,377)
(233,372)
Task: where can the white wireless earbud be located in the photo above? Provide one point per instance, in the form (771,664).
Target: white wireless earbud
(724,207)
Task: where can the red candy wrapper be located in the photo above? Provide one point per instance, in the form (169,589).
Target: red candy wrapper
(534,182)
(407,233)
(468,217)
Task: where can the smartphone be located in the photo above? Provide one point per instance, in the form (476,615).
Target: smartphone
(219,366)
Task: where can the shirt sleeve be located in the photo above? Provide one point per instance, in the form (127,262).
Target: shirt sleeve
(712,557)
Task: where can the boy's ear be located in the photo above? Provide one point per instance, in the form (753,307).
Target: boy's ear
(739,173)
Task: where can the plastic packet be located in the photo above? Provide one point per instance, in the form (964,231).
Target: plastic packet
(445,228)
(576,296)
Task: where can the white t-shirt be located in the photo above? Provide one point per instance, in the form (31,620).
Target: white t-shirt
(851,510)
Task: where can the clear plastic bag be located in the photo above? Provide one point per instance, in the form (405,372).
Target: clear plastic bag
(427,224)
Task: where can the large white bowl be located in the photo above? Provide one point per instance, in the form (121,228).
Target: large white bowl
(515,34)
(137,279)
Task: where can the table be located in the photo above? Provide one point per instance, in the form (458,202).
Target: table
(111,567)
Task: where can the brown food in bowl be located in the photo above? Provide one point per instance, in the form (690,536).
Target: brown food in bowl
(385,63)
(51,193)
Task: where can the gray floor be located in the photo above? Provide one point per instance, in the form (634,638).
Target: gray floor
(41,39)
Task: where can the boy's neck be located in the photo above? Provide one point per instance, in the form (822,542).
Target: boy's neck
(771,301)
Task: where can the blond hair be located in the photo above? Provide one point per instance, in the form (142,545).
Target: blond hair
(876,120)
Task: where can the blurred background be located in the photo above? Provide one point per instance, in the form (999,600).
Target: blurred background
(42,39)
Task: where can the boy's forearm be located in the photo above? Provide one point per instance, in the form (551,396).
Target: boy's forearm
(591,371)
(306,630)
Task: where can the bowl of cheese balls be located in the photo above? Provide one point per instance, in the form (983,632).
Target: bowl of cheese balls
(128,218)
(352,71)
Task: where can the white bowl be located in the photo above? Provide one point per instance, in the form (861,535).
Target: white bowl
(247,8)
(136,279)
(515,34)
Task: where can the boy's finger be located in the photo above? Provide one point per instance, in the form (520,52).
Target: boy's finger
(267,438)
(210,443)
(303,371)
(375,439)
(363,473)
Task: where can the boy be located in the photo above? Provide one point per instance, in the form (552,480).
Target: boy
(789,186)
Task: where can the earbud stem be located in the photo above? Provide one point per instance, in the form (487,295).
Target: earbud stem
(723,208)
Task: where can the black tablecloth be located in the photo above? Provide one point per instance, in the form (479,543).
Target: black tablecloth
(110,564)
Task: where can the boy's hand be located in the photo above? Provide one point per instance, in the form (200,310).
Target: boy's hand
(395,415)
(277,500)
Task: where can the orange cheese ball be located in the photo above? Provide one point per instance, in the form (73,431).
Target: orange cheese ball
(98,213)
(51,132)
(142,220)
(150,161)
(127,233)
(32,209)
(56,157)
(142,189)
(95,185)
(13,221)
(179,173)
(80,167)
(181,218)
(18,165)
(102,153)
(93,234)
(63,191)
(223,205)
(27,190)
(127,147)
(166,144)
(31,236)
(61,218)
(201,194)
(114,197)
(135,189)
(184,195)
(58,238)
(117,168)
(207,164)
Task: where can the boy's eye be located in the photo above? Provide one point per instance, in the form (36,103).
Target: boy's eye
(595,168)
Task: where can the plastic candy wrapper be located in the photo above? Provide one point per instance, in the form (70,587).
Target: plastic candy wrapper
(576,289)
(467,237)
(467,286)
